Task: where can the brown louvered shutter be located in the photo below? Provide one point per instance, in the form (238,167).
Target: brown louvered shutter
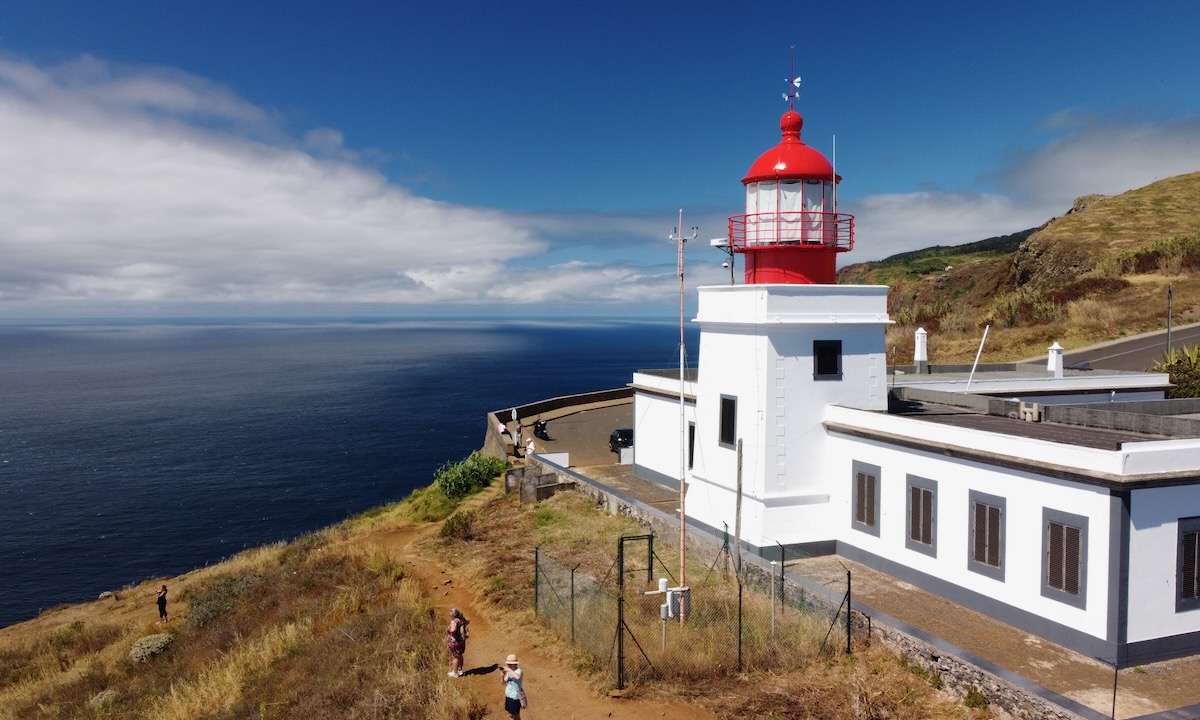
(914,513)
(927,517)
(870,500)
(1071,560)
(981,533)
(993,536)
(1189,586)
(1054,564)
(860,487)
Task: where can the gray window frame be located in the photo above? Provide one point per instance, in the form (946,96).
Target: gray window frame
(1050,515)
(827,376)
(973,497)
(924,484)
(856,467)
(721,425)
(1185,525)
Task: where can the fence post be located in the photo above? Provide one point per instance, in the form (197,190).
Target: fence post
(849,613)
(772,584)
(739,643)
(572,606)
(782,564)
(650,560)
(537,566)
(621,614)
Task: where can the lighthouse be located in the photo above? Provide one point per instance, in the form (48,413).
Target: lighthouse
(775,352)
(791,231)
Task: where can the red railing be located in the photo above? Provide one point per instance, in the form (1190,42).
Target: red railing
(801,228)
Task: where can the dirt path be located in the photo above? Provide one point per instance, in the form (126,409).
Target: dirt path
(555,692)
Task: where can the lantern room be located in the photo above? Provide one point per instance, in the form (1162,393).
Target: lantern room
(791,231)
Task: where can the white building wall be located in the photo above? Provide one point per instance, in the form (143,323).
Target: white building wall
(656,431)
(1153,539)
(1026,495)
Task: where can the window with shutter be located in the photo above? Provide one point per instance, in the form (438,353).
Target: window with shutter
(985,554)
(1064,557)
(727,423)
(864,490)
(922,515)
(1187,579)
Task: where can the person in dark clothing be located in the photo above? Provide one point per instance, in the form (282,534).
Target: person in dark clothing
(162,604)
(456,641)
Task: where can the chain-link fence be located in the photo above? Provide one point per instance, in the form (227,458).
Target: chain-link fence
(637,621)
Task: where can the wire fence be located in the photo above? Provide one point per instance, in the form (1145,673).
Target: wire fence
(637,622)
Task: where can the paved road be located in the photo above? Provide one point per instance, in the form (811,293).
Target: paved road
(1137,353)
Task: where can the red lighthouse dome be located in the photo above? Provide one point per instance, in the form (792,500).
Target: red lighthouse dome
(791,231)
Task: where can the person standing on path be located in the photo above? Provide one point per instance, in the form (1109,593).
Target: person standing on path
(456,641)
(514,691)
(162,604)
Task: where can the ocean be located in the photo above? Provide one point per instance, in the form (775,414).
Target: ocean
(130,451)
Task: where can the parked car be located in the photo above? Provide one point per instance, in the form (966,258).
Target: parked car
(621,438)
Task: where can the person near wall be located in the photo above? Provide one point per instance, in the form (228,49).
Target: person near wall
(514,690)
(530,448)
(456,641)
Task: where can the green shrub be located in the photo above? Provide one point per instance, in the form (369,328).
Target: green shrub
(459,526)
(218,596)
(975,698)
(428,504)
(1183,365)
(457,480)
(1165,255)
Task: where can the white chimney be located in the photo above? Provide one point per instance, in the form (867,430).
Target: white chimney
(1054,360)
(921,350)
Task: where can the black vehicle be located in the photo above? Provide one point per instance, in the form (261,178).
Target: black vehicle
(621,438)
(541,430)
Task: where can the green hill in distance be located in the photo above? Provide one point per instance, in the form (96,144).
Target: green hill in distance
(1099,272)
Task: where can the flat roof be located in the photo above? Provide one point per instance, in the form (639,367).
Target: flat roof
(689,374)
(1079,435)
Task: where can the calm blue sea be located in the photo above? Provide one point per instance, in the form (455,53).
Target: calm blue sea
(136,450)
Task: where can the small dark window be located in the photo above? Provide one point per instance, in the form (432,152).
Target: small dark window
(986,552)
(1064,557)
(865,498)
(1187,583)
(728,421)
(827,359)
(691,444)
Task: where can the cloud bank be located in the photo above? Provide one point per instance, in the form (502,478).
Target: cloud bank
(145,185)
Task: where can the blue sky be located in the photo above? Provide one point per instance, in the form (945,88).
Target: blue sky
(565,133)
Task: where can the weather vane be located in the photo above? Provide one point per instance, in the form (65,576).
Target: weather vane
(793,82)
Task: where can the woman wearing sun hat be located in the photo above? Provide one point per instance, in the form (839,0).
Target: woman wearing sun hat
(514,692)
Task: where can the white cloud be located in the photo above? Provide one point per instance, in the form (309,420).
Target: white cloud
(136,185)
(893,223)
(1103,157)
(111,193)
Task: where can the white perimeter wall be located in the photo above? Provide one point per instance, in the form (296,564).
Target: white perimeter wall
(1153,539)
(1026,495)
(656,431)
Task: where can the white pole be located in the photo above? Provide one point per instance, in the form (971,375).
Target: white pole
(682,429)
(978,352)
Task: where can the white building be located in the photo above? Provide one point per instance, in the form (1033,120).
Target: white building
(1012,492)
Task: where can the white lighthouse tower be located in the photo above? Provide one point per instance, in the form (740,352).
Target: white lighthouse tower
(775,351)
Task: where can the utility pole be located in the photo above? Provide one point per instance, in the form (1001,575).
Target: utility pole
(680,239)
(1170,297)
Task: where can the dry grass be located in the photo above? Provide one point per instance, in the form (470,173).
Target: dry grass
(251,634)
(699,659)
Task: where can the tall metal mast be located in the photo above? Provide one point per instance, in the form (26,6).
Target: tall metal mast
(680,240)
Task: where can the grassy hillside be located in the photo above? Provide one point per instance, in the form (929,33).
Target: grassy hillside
(1098,272)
